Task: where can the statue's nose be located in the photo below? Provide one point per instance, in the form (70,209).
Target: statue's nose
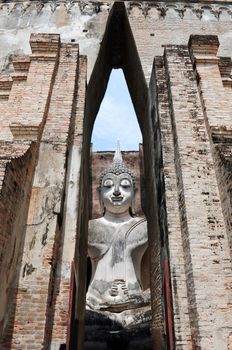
(116,191)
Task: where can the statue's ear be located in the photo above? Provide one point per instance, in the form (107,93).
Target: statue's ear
(101,201)
(133,203)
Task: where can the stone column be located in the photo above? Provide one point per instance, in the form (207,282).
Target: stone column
(28,98)
(5,91)
(51,111)
(30,286)
(35,95)
(215,90)
(225,66)
(203,50)
(63,293)
(202,224)
(169,213)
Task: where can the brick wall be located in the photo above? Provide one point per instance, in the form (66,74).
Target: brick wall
(215,90)
(187,143)
(51,92)
(202,223)
(63,278)
(17,174)
(169,215)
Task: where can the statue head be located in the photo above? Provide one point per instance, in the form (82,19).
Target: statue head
(117,187)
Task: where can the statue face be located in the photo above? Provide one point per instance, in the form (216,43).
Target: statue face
(117,193)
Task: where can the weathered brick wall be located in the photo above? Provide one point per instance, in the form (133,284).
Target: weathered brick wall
(187,143)
(157,238)
(223,164)
(21,147)
(53,96)
(62,292)
(16,175)
(154,24)
(216,103)
(205,245)
(223,152)
(169,214)
(45,215)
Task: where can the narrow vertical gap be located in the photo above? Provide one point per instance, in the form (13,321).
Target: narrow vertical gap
(116,119)
(118,50)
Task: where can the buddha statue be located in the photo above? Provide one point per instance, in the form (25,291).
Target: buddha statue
(116,245)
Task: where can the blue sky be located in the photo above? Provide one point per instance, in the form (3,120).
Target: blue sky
(116,118)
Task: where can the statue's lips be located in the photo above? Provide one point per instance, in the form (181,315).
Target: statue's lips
(117,199)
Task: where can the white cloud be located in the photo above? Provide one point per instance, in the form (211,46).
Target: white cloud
(116,118)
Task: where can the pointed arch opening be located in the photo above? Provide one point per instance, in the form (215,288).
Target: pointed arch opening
(118,50)
(116,119)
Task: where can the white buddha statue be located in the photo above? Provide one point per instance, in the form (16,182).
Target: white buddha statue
(117,242)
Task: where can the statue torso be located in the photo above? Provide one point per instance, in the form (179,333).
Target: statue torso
(116,250)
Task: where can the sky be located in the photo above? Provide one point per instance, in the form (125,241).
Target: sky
(116,119)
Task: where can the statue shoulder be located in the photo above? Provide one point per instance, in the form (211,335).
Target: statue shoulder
(99,230)
(96,223)
(140,221)
(94,226)
(137,229)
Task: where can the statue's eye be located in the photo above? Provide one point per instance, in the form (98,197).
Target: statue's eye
(108,183)
(125,183)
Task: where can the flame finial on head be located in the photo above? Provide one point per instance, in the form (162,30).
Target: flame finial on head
(118,154)
(117,167)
